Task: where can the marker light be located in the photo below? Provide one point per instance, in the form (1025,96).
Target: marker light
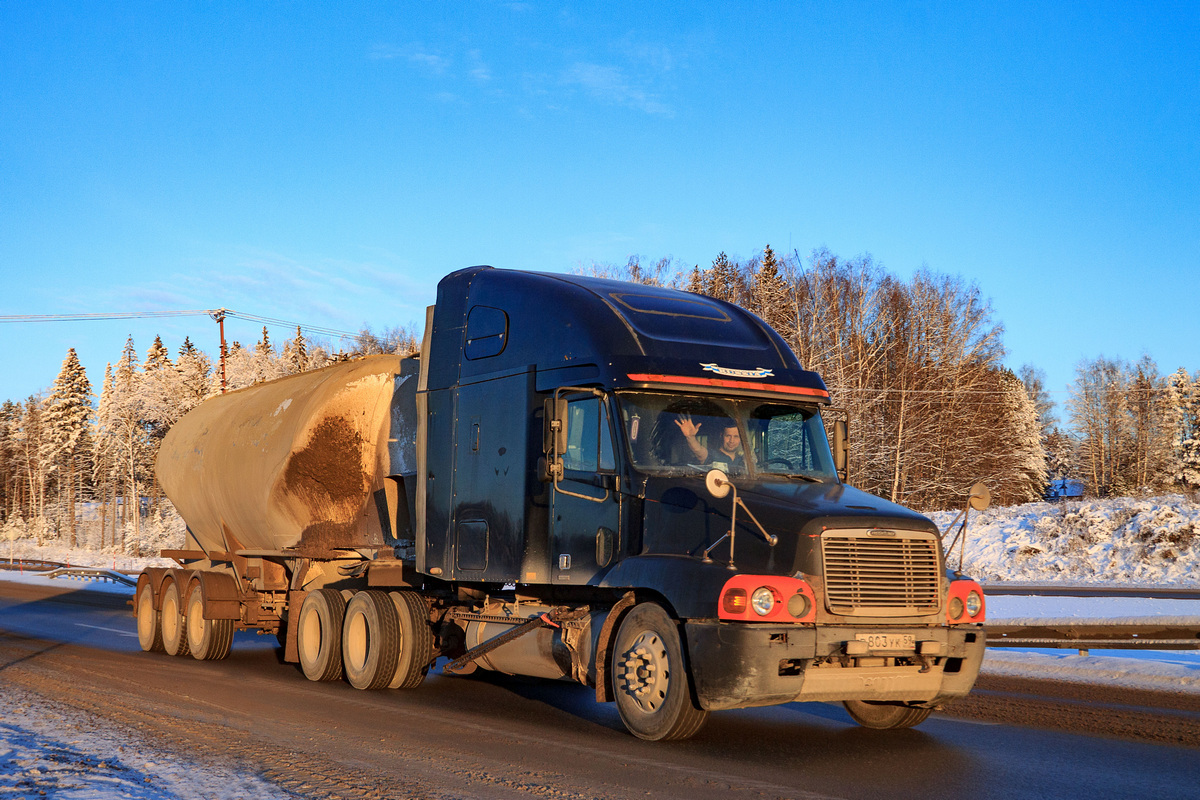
(762,601)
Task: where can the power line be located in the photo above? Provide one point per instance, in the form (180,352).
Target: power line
(118,315)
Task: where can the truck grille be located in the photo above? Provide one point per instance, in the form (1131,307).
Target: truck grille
(890,574)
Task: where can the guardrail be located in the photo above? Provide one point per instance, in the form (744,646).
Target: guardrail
(1085,635)
(56,569)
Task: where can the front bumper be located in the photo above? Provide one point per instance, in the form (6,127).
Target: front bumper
(737,665)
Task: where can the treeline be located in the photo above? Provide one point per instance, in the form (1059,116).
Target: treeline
(69,445)
(916,365)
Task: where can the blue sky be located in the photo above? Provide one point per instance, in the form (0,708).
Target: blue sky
(328,164)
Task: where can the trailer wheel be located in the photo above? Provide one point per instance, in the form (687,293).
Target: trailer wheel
(885,716)
(416,640)
(149,626)
(370,640)
(319,634)
(208,639)
(650,679)
(175,640)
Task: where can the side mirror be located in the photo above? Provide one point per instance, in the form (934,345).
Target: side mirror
(841,449)
(555,427)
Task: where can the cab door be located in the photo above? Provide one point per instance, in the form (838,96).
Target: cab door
(585,505)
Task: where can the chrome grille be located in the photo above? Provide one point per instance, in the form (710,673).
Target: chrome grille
(877,573)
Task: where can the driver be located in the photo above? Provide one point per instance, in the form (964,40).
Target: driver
(728,453)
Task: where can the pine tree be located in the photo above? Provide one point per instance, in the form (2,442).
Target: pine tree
(67,411)
(770,295)
(722,283)
(1183,403)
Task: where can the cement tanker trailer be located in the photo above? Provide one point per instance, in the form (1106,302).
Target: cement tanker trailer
(625,486)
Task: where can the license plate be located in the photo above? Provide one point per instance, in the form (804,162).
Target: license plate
(888,641)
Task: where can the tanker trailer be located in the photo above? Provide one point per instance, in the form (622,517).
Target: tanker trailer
(285,486)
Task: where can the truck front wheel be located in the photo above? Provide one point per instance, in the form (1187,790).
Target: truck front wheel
(319,634)
(884,716)
(650,679)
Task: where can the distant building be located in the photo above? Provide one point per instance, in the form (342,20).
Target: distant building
(1064,489)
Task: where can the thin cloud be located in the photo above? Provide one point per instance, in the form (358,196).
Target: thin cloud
(608,84)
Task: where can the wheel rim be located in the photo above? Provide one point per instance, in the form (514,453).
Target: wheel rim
(646,673)
(146,622)
(195,621)
(310,637)
(357,641)
(170,614)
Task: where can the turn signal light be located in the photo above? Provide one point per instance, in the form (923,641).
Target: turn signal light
(734,601)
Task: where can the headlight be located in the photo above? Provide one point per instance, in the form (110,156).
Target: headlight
(956,608)
(762,601)
(974,603)
(798,605)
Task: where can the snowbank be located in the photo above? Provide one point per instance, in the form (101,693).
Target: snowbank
(1152,540)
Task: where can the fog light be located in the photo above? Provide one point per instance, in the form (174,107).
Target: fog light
(762,601)
(798,606)
(734,601)
(974,603)
(956,608)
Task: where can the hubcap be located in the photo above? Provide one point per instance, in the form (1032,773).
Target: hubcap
(646,673)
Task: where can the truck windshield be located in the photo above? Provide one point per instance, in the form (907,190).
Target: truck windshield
(677,434)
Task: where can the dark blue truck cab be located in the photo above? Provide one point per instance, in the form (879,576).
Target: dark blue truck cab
(651,466)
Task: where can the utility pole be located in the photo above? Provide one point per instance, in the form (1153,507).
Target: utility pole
(219,316)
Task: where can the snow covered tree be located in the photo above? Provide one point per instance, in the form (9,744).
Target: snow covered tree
(195,375)
(722,279)
(1183,403)
(122,433)
(29,437)
(770,294)
(67,411)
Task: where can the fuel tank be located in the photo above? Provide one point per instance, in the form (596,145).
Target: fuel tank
(300,462)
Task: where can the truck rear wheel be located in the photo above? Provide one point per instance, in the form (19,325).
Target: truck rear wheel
(174,636)
(370,640)
(884,716)
(149,626)
(650,679)
(416,640)
(208,639)
(319,634)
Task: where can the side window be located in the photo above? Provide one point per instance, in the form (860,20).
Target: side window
(487,332)
(589,439)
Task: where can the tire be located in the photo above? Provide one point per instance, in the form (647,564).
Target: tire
(319,634)
(650,678)
(416,640)
(885,716)
(370,640)
(208,639)
(174,635)
(149,623)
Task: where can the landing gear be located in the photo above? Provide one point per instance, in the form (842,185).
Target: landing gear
(885,716)
(650,680)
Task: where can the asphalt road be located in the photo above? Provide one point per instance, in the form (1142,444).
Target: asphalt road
(497,737)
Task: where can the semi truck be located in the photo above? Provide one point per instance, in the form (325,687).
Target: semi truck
(626,486)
